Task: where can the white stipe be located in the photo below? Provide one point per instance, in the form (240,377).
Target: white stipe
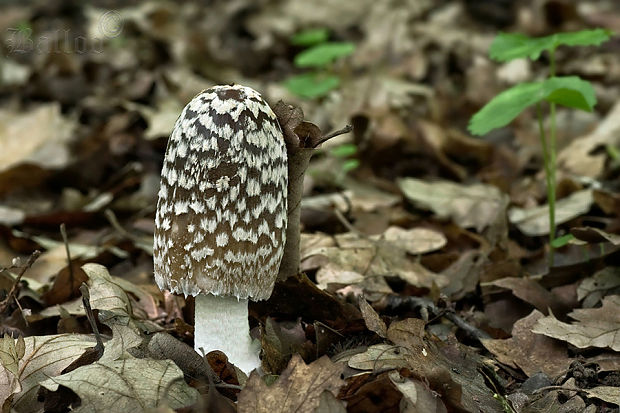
(221,323)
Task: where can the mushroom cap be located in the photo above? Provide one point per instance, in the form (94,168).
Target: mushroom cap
(221,217)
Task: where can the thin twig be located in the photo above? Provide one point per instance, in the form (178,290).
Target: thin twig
(65,239)
(5,303)
(545,388)
(394,301)
(91,317)
(333,134)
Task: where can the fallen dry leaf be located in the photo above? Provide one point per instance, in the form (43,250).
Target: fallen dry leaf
(330,404)
(581,156)
(595,327)
(378,358)
(298,388)
(126,385)
(39,136)
(417,397)
(533,293)
(415,240)
(469,206)
(530,352)
(11,352)
(606,393)
(357,259)
(604,282)
(44,357)
(371,318)
(535,221)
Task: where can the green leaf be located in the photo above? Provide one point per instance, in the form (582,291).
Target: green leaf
(310,37)
(509,46)
(613,152)
(344,150)
(563,240)
(568,91)
(323,54)
(350,165)
(312,85)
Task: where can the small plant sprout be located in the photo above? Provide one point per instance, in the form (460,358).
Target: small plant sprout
(318,58)
(569,91)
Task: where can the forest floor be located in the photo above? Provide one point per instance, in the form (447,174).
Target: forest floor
(428,284)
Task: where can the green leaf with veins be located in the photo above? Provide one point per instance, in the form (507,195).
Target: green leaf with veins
(312,85)
(323,54)
(570,91)
(509,46)
(310,37)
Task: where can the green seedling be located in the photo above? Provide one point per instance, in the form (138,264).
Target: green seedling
(345,154)
(318,59)
(569,91)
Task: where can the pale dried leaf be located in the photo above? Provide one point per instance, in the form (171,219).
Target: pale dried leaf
(606,393)
(417,397)
(298,388)
(11,351)
(379,357)
(333,274)
(602,283)
(595,327)
(328,403)
(310,243)
(371,318)
(535,221)
(416,240)
(39,136)
(11,216)
(581,156)
(357,256)
(44,357)
(126,385)
(160,119)
(368,198)
(125,335)
(477,206)
(106,293)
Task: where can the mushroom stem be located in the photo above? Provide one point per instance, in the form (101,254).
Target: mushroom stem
(221,323)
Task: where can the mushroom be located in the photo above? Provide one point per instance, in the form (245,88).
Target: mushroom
(221,218)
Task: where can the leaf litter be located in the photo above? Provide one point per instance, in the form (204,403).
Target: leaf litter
(426,284)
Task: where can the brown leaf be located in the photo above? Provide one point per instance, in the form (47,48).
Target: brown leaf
(533,293)
(309,134)
(279,340)
(595,235)
(298,389)
(464,274)
(378,394)
(595,327)
(408,333)
(371,318)
(330,404)
(289,117)
(530,352)
(417,397)
(67,284)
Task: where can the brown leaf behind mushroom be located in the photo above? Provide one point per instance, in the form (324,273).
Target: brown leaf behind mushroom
(298,389)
